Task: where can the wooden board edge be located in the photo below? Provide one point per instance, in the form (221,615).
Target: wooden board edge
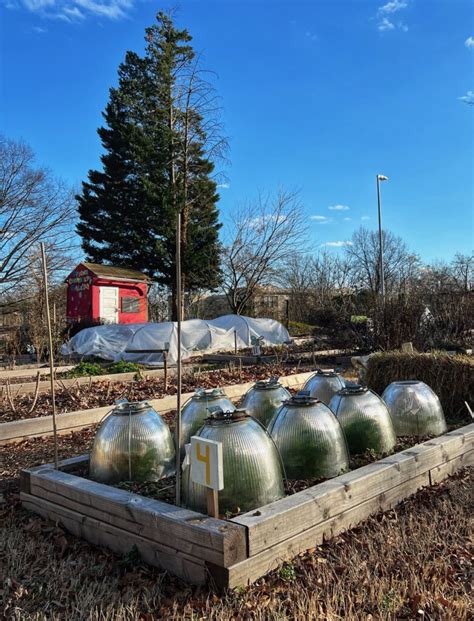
(191,569)
(244,573)
(443,471)
(219,536)
(267,529)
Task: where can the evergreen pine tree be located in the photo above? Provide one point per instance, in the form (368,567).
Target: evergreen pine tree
(159,138)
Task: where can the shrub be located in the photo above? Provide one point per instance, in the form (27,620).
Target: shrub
(298,328)
(451,377)
(85,369)
(124,367)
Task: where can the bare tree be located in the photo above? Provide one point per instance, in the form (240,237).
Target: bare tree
(34,207)
(264,235)
(462,268)
(314,282)
(401,266)
(330,277)
(296,277)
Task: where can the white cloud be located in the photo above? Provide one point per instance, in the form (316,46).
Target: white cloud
(71,14)
(337,244)
(365,218)
(468,98)
(113,9)
(261,221)
(346,219)
(73,10)
(320,219)
(393,6)
(469,42)
(223,186)
(39,30)
(385,23)
(338,207)
(38,5)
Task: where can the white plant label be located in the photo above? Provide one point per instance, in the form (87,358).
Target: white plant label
(207,466)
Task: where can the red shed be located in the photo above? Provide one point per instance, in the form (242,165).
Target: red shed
(106,293)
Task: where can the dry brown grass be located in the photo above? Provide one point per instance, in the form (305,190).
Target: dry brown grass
(451,377)
(414,562)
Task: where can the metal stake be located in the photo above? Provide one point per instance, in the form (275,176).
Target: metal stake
(178,374)
(51,359)
(381,265)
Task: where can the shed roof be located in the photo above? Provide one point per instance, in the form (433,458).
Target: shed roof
(109,271)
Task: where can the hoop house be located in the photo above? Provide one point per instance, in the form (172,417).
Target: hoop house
(112,342)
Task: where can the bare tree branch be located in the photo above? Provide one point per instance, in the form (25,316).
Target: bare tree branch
(34,207)
(264,235)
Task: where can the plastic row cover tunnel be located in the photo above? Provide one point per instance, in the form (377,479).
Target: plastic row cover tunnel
(119,342)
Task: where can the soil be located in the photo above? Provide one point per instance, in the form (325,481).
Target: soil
(104,393)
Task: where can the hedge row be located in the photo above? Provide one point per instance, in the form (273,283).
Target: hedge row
(451,377)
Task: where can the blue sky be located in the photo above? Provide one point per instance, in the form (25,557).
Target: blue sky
(319,95)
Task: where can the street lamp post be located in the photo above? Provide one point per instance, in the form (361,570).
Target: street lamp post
(381,266)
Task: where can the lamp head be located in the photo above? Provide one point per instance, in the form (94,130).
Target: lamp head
(382,178)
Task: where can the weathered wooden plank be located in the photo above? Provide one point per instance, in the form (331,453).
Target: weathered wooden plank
(251,569)
(156,533)
(294,514)
(121,541)
(16,431)
(27,388)
(26,371)
(441,472)
(73,464)
(205,537)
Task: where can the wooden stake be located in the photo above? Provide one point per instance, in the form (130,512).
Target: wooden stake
(212,502)
(178,362)
(51,355)
(165,370)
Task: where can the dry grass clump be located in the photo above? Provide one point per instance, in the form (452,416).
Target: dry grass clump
(451,377)
(414,562)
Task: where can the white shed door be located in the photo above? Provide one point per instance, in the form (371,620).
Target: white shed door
(108,298)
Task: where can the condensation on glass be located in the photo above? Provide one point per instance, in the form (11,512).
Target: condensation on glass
(133,444)
(415,408)
(309,438)
(252,469)
(324,384)
(264,398)
(196,410)
(365,420)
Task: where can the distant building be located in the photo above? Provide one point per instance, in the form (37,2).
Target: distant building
(269,302)
(107,294)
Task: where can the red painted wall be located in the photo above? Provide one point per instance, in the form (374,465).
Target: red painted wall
(79,294)
(83,296)
(126,290)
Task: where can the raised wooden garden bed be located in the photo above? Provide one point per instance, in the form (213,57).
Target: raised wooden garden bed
(18,430)
(236,552)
